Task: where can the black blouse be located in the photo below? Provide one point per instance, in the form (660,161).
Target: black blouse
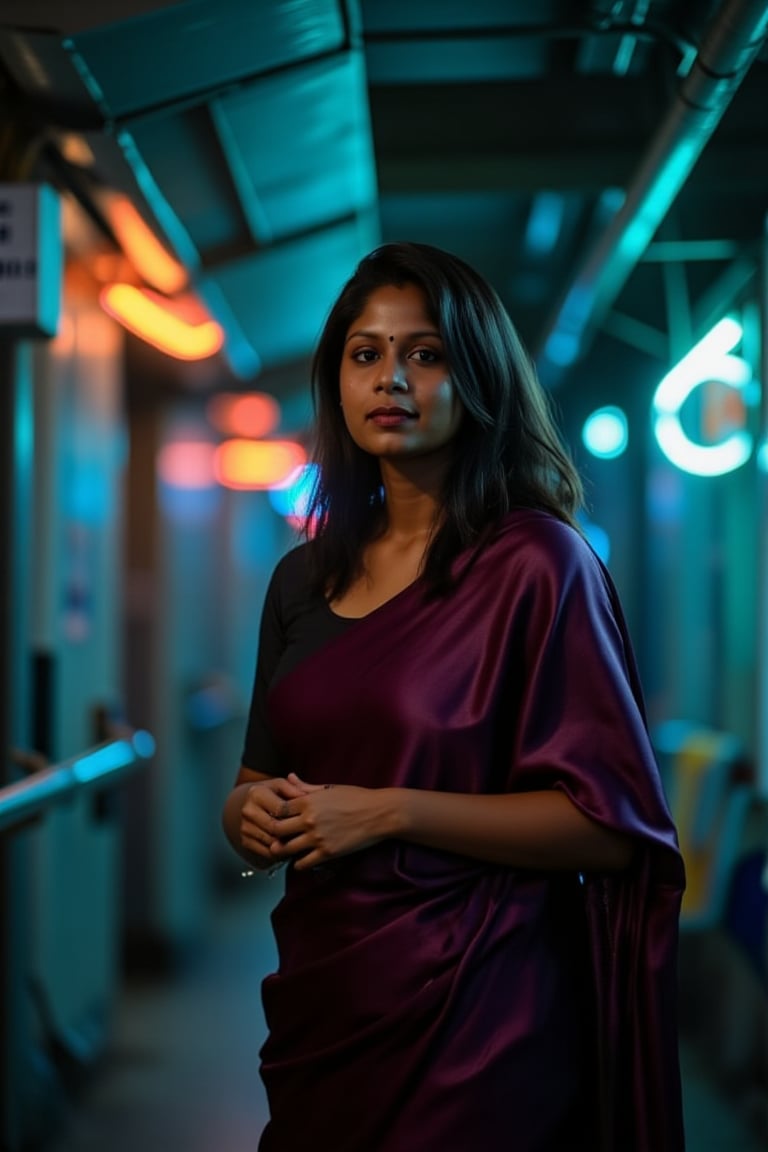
(295,622)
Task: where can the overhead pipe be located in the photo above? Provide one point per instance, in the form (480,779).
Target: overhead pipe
(730,44)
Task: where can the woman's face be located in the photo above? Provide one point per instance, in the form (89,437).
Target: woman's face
(397,395)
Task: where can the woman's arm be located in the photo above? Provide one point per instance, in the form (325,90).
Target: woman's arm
(522,829)
(262,790)
(541,830)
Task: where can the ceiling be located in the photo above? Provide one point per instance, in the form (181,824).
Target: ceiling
(603,162)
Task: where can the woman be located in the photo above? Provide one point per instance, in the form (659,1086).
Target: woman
(447,748)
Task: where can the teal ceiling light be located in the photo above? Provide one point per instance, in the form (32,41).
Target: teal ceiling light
(605,432)
(710,359)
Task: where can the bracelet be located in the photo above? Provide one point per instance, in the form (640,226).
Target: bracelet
(269,872)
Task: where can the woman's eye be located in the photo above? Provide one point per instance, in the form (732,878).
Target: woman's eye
(364,355)
(425,355)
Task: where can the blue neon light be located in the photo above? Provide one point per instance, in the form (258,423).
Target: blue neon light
(293,499)
(110,757)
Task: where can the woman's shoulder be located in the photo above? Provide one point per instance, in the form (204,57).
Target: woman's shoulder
(291,577)
(289,590)
(535,538)
(537,528)
(295,561)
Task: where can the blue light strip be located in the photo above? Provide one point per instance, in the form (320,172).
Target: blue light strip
(102,766)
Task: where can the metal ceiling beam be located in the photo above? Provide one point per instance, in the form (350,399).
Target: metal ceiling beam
(729,46)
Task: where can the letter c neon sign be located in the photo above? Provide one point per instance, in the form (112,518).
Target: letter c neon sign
(710,359)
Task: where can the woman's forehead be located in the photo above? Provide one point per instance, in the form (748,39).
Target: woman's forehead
(395,304)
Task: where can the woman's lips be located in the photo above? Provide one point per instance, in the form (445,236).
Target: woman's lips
(390,417)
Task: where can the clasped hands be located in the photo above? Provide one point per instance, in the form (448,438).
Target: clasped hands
(288,819)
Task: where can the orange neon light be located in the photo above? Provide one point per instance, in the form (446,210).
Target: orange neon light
(76,150)
(257,463)
(149,257)
(150,317)
(251,415)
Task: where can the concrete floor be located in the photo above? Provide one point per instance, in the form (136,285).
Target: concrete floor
(184,1070)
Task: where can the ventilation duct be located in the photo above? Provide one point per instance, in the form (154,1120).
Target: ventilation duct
(730,44)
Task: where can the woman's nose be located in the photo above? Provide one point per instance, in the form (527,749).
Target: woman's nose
(392,377)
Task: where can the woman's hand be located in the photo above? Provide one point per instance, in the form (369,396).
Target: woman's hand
(263,808)
(324,821)
(309,824)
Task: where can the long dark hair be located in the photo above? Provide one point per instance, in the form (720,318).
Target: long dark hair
(508,453)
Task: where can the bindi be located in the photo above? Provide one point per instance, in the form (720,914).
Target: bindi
(391,339)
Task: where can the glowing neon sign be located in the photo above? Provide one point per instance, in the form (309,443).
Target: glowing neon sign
(708,360)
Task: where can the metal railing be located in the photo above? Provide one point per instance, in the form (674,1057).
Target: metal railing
(98,768)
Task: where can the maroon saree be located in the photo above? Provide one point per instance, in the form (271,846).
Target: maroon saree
(427,1001)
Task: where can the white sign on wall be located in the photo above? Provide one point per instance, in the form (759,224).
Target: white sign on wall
(31,260)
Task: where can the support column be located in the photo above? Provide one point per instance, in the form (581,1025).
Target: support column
(16,430)
(762,528)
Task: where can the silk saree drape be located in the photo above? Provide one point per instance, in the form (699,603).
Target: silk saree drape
(427,1001)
